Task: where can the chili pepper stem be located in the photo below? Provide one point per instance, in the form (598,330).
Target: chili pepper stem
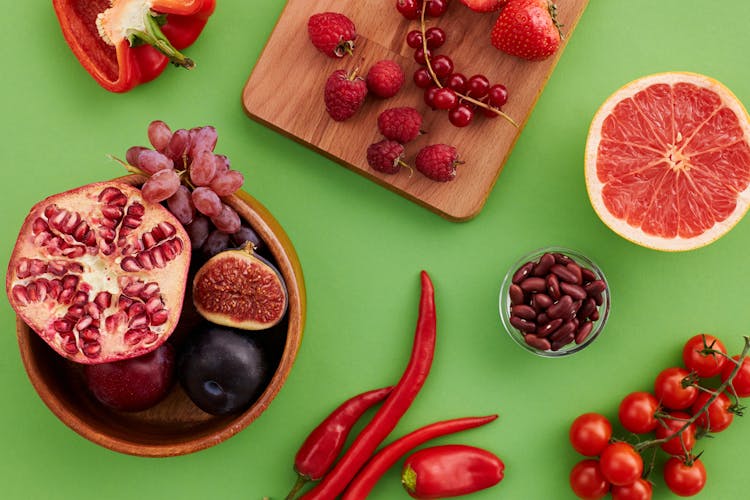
(298,485)
(154,36)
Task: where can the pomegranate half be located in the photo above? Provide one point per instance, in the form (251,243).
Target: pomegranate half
(99,273)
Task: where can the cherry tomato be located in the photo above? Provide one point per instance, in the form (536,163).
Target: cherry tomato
(587,481)
(741,381)
(637,411)
(669,390)
(621,464)
(674,446)
(683,479)
(717,417)
(639,490)
(589,434)
(705,365)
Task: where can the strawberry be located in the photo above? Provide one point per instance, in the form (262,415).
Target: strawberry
(400,124)
(332,33)
(386,156)
(437,162)
(344,94)
(385,78)
(528,29)
(484,5)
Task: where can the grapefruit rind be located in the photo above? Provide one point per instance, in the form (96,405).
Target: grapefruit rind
(594,186)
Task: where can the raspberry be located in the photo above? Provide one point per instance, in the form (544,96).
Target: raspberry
(344,94)
(400,124)
(386,156)
(385,78)
(437,162)
(332,33)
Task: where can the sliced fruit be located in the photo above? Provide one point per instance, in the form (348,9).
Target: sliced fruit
(240,289)
(668,161)
(99,272)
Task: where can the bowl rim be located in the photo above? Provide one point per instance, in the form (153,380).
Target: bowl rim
(285,255)
(504,301)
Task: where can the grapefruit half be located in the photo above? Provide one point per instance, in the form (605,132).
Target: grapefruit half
(668,161)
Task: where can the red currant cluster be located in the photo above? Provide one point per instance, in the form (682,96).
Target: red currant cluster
(444,88)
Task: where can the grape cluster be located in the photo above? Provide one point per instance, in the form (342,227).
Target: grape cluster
(184,172)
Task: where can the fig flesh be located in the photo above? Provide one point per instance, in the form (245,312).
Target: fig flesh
(240,289)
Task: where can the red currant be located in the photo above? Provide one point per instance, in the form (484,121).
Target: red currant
(435,37)
(457,82)
(414,39)
(422,78)
(498,95)
(419,56)
(461,115)
(429,95)
(445,98)
(436,8)
(410,9)
(489,113)
(442,65)
(477,86)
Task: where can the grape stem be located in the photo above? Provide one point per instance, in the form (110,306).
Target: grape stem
(704,409)
(437,80)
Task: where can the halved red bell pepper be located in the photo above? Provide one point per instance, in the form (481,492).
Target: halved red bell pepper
(123,43)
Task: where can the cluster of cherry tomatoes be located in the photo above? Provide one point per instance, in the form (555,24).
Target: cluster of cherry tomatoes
(681,409)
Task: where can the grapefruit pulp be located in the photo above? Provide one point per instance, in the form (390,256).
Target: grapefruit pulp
(668,161)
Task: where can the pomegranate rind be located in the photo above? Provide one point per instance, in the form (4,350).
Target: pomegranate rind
(240,289)
(115,329)
(735,191)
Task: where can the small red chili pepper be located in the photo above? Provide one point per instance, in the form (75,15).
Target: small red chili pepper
(317,454)
(449,471)
(361,486)
(394,407)
(123,43)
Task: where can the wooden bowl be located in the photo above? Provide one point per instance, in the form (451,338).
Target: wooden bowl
(175,426)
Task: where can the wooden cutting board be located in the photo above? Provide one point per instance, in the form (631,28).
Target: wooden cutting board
(285,92)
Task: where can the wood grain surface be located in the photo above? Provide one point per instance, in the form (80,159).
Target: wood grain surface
(285,92)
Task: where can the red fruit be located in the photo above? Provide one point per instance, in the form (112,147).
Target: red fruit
(527,29)
(461,115)
(410,9)
(332,33)
(445,98)
(344,94)
(99,272)
(741,382)
(718,416)
(385,78)
(400,124)
(680,442)
(437,162)
(385,156)
(133,384)
(484,5)
(705,365)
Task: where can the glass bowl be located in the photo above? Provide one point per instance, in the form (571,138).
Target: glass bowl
(548,339)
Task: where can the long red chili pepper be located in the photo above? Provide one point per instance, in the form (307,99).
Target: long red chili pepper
(449,471)
(385,458)
(123,43)
(317,454)
(394,407)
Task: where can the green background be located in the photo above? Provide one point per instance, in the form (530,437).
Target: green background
(362,247)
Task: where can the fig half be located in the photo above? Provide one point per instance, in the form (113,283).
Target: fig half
(240,289)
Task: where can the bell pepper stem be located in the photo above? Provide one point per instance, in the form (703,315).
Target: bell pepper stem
(154,36)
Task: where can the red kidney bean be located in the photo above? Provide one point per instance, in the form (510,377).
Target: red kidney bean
(566,329)
(560,308)
(589,306)
(584,331)
(537,343)
(541,301)
(598,298)
(516,294)
(574,309)
(559,344)
(542,318)
(588,275)
(575,291)
(596,286)
(546,329)
(562,259)
(553,287)
(594,316)
(542,267)
(577,272)
(522,272)
(530,285)
(524,312)
(522,324)
(563,273)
